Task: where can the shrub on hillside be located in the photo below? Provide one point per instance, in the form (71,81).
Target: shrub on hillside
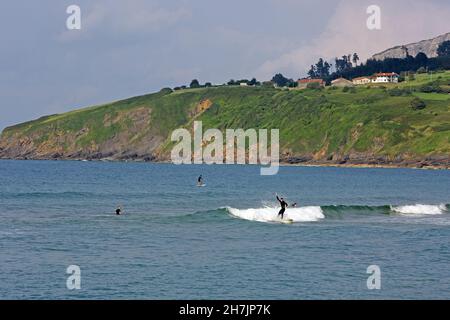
(418,104)
(397,92)
(348,89)
(314,85)
(166,90)
(431,87)
(421,70)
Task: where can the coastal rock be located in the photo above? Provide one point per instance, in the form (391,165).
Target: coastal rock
(429,47)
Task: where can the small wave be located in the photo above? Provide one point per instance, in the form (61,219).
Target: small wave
(46,194)
(420,209)
(332,210)
(269,214)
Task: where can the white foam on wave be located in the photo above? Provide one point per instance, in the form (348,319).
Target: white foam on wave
(269,214)
(422,209)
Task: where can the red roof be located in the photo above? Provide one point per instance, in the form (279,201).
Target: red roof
(386,74)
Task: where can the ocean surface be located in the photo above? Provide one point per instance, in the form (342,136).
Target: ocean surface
(222,241)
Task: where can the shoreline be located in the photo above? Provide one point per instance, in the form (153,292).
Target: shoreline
(422,166)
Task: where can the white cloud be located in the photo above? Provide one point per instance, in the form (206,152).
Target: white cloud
(346,32)
(133,17)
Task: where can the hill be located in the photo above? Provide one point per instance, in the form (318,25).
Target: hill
(429,47)
(368,125)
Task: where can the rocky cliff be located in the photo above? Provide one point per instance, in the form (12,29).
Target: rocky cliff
(429,47)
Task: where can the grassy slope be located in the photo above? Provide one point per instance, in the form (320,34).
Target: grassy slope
(368,120)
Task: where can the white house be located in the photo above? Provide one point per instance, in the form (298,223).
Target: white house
(385,77)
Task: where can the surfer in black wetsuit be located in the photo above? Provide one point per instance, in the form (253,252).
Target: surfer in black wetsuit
(118,211)
(283,205)
(200,180)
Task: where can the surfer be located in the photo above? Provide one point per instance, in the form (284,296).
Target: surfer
(200,180)
(283,205)
(118,211)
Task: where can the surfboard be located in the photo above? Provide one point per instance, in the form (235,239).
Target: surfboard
(201,185)
(286,221)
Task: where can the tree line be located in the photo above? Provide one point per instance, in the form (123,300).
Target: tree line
(347,67)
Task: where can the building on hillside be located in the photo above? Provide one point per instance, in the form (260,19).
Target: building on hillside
(362,80)
(385,77)
(243,84)
(341,82)
(303,83)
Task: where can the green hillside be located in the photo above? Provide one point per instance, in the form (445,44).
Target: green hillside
(361,125)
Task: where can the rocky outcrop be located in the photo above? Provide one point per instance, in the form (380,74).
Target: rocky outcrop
(137,142)
(429,47)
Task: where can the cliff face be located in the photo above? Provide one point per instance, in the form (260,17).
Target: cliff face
(429,47)
(53,142)
(328,126)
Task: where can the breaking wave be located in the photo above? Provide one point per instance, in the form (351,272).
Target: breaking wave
(317,213)
(421,209)
(269,214)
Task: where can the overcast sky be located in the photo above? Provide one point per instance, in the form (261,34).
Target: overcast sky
(132,47)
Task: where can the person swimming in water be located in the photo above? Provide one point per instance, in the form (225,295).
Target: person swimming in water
(283,205)
(118,211)
(200,180)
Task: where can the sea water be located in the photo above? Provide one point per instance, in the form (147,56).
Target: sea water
(178,241)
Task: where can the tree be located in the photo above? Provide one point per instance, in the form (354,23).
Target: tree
(312,72)
(253,82)
(208,84)
(327,67)
(194,84)
(280,80)
(343,64)
(338,65)
(292,84)
(421,59)
(355,59)
(322,69)
(444,49)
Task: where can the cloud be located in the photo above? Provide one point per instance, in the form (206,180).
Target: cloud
(132,47)
(346,32)
(132,17)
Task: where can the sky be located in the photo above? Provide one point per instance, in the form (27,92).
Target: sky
(133,47)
